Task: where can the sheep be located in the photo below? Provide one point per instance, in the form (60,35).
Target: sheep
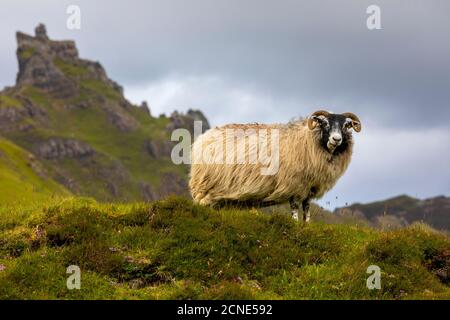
(313,154)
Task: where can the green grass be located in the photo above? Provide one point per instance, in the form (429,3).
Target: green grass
(37,96)
(23,178)
(101,88)
(7,101)
(71,69)
(173,249)
(27,53)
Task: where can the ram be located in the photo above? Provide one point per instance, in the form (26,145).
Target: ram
(311,155)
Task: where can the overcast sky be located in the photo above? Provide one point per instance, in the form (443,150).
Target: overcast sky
(270,61)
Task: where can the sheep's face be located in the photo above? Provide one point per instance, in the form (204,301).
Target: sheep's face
(335,129)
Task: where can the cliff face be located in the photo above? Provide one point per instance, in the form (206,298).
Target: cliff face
(77,123)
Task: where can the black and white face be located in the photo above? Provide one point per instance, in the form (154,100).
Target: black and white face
(335,131)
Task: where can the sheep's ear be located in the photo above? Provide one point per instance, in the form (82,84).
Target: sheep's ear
(356,126)
(356,123)
(313,121)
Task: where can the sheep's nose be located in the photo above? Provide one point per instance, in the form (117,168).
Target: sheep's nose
(337,138)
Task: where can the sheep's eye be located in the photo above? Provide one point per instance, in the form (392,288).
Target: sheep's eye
(324,123)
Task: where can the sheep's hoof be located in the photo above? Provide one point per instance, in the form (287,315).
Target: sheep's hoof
(295,215)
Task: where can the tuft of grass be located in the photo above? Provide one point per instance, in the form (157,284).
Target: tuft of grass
(27,53)
(8,102)
(174,249)
(101,88)
(71,69)
(37,96)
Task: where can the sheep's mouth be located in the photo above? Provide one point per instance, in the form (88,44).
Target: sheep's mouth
(331,145)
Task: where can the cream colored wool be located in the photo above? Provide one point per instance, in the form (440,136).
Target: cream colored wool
(303,165)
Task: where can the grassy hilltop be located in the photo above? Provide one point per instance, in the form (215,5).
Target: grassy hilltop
(172,249)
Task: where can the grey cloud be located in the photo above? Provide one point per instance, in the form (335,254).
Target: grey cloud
(317,51)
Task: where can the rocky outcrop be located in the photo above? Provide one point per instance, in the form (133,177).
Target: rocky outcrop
(158,148)
(58,148)
(36,57)
(186,120)
(42,62)
(15,109)
(120,119)
(145,106)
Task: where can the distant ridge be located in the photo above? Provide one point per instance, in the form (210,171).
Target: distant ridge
(405,210)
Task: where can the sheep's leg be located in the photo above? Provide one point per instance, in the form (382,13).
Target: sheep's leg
(294,208)
(306,214)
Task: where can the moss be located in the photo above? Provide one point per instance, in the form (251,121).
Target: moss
(7,101)
(71,69)
(37,96)
(26,53)
(101,88)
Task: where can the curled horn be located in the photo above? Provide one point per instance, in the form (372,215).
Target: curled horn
(356,123)
(312,122)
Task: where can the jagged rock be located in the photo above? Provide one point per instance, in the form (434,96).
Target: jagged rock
(121,120)
(8,116)
(41,32)
(36,64)
(38,57)
(12,116)
(58,148)
(145,106)
(159,148)
(32,110)
(180,120)
(197,115)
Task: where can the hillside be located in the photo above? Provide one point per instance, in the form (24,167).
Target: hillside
(401,211)
(174,249)
(23,177)
(75,121)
